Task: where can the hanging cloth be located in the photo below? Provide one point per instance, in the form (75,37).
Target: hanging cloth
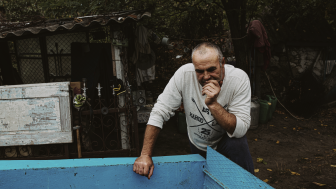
(146,72)
(261,40)
(141,42)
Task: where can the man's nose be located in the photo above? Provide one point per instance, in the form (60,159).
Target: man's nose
(206,75)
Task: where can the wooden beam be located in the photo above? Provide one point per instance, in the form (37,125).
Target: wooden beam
(44,55)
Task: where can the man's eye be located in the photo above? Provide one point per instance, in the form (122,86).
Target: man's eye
(199,71)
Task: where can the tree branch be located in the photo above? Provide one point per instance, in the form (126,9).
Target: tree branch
(221,6)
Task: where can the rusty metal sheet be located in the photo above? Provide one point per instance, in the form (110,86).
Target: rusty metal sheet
(35,114)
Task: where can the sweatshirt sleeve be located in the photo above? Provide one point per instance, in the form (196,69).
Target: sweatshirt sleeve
(240,107)
(169,101)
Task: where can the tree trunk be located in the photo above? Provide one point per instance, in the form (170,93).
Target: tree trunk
(236,15)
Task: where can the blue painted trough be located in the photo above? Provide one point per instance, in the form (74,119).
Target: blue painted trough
(187,171)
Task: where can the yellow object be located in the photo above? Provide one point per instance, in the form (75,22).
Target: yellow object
(294,173)
(256,170)
(266,180)
(259,160)
(120,93)
(269,169)
(277,142)
(117,89)
(319,184)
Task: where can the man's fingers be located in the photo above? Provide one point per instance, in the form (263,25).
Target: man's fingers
(212,85)
(140,170)
(211,90)
(137,170)
(142,165)
(151,172)
(208,93)
(215,82)
(146,169)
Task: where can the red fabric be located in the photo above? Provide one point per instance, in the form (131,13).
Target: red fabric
(261,40)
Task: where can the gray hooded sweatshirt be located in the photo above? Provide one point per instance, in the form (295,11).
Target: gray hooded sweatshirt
(203,130)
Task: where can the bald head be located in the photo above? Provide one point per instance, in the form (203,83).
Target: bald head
(205,48)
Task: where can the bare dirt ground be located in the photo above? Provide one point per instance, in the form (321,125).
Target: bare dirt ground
(295,153)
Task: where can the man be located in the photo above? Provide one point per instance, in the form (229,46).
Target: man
(216,99)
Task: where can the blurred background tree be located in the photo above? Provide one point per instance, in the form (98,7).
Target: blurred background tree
(187,19)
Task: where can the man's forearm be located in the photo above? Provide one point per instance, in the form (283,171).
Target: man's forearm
(151,135)
(226,120)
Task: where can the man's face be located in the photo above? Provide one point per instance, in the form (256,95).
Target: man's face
(207,66)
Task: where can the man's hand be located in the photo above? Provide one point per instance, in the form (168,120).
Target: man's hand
(211,89)
(144,166)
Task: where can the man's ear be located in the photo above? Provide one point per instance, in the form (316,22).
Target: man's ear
(223,61)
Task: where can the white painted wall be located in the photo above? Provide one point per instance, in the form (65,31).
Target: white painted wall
(125,143)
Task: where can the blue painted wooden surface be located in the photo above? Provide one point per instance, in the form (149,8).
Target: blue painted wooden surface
(170,172)
(223,173)
(188,171)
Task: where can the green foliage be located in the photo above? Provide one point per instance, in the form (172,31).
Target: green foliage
(176,18)
(16,9)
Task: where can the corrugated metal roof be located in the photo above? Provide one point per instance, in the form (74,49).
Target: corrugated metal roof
(22,29)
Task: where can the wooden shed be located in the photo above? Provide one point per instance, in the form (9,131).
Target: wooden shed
(65,54)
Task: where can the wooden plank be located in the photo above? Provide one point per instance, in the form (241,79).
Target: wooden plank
(43,47)
(76,86)
(35,114)
(35,90)
(65,114)
(33,138)
(30,115)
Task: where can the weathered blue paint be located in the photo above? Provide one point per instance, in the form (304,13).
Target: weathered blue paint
(35,114)
(30,114)
(170,172)
(188,171)
(11,93)
(223,173)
